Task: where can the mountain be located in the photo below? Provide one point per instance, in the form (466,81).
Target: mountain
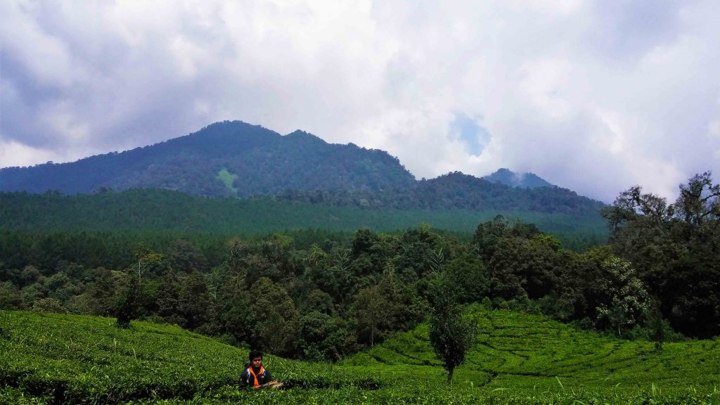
(518,180)
(223,159)
(236,159)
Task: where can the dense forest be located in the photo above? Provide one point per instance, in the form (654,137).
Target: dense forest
(319,295)
(142,211)
(457,191)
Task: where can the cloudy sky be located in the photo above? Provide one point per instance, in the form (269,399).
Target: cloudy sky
(595,96)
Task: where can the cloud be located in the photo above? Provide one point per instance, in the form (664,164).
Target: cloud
(590,95)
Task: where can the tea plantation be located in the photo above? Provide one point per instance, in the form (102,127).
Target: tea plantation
(518,358)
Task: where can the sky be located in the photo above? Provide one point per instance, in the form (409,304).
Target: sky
(595,96)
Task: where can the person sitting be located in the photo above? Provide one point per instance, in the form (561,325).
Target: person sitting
(255,375)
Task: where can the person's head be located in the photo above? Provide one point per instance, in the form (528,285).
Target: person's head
(255,358)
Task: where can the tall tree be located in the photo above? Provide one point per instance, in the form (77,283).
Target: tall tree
(451,335)
(277,319)
(127,300)
(370,310)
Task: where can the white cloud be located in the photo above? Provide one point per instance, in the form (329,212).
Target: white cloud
(591,95)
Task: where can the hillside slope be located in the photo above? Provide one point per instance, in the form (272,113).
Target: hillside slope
(521,351)
(517,358)
(84,359)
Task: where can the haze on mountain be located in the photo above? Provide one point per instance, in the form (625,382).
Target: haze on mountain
(520,180)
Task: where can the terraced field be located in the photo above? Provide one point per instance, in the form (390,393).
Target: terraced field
(518,358)
(525,352)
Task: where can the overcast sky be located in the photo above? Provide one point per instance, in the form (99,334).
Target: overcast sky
(595,96)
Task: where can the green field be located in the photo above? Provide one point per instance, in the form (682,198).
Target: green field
(518,358)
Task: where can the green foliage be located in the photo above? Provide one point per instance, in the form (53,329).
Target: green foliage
(451,335)
(517,358)
(127,301)
(629,301)
(467,276)
(82,359)
(86,359)
(674,248)
(228,179)
(168,212)
(277,321)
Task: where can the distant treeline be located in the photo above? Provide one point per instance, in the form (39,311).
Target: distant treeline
(150,210)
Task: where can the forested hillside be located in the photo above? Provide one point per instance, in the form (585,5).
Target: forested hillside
(458,191)
(317,298)
(142,211)
(223,159)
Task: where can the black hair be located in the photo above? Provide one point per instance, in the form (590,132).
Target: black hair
(254,354)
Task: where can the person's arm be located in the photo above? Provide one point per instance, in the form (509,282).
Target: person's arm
(244,379)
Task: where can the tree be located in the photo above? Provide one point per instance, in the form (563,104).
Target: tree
(168,298)
(100,293)
(451,335)
(628,301)
(383,308)
(185,257)
(323,337)
(10,297)
(523,267)
(674,249)
(49,305)
(334,276)
(488,234)
(277,320)
(320,301)
(126,306)
(370,310)
(699,200)
(193,301)
(468,276)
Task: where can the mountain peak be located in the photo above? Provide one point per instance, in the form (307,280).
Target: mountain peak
(518,180)
(307,136)
(228,158)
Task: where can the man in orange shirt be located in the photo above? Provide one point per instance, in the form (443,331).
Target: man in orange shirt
(255,375)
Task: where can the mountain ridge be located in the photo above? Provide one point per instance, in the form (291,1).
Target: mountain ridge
(518,180)
(191,162)
(237,159)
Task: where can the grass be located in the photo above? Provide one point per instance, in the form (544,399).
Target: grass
(228,179)
(518,358)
